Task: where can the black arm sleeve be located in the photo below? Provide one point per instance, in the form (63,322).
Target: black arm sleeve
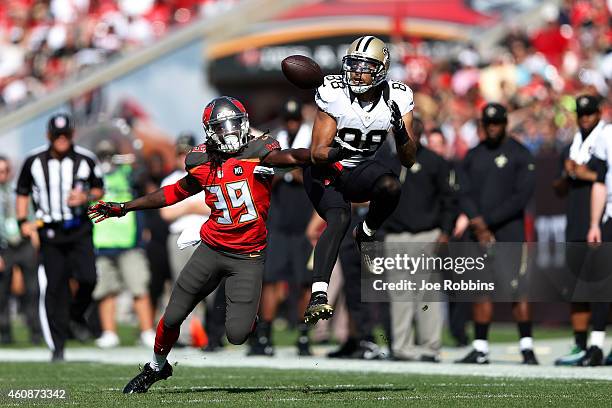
(466,203)
(600,167)
(447,201)
(522,190)
(25,180)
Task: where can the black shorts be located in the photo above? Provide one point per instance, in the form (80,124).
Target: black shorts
(352,185)
(287,258)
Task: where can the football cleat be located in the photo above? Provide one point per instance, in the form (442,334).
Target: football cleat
(593,357)
(361,236)
(318,308)
(572,358)
(529,357)
(608,361)
(147,377)
(474,357)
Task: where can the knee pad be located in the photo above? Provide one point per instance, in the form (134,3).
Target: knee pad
(237,336)
(387,186)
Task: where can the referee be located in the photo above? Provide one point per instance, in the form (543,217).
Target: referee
(61,178)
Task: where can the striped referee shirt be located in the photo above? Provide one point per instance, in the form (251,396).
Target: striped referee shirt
(50,180)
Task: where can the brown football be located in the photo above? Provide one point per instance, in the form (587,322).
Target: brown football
(302,71)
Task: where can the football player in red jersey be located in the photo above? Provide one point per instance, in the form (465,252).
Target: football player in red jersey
(232,167)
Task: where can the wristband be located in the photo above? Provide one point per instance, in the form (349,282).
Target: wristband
(21,221)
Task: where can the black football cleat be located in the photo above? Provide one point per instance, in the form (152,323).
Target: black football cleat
(361,236)
(593,357)
(474,357)
(318,308)
(147,377)
(529,357)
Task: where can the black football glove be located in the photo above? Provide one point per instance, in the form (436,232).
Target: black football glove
(103,210)
(396,116)
(399,130)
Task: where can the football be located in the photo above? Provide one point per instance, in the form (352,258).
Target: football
(302,71)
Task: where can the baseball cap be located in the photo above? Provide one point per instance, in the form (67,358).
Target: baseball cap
(60,123)
(185,142)
(587,105)
(292,110)
(494,113)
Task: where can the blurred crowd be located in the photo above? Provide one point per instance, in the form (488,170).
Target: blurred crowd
(536,73)
(43,42)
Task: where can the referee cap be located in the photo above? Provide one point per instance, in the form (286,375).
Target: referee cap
(60,123)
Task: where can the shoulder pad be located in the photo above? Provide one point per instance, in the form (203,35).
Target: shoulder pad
(196,157)
(333,87)
(259,147)
(402,95)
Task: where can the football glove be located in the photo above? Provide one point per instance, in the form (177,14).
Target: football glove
(103,210)
(399,130)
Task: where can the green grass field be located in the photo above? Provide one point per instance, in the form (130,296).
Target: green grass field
(95,385)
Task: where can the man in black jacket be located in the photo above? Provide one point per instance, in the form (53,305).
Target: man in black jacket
(497,182)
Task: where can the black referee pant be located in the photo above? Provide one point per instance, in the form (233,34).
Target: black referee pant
(66,253)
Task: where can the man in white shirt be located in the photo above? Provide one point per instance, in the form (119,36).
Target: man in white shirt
(601,213)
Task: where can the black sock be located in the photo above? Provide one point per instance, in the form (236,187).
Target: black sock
(481,331)
(580,337)
(524,329)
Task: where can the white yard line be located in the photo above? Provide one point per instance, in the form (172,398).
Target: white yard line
(504,361)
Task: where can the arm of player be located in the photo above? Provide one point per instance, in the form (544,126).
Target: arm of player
(323,132)
(402,131)
(288,158)
(163,197)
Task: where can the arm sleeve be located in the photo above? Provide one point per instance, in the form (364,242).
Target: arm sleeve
(447,210)
(24,182)
(466,203)
(524,185)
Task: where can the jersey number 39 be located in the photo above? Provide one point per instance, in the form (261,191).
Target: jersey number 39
(239,196)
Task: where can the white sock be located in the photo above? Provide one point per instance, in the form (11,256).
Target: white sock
(597,338)
(526,343)
(481,345)
(368,231)
(319,287)
(158,361)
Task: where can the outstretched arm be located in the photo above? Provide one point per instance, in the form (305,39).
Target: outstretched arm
(287,157)
(165,196)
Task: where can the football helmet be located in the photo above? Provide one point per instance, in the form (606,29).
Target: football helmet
(366,55)
(226,124)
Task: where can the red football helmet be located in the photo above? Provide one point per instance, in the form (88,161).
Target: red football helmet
(226,124)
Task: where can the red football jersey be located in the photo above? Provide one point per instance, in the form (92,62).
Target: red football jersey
(238,194)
